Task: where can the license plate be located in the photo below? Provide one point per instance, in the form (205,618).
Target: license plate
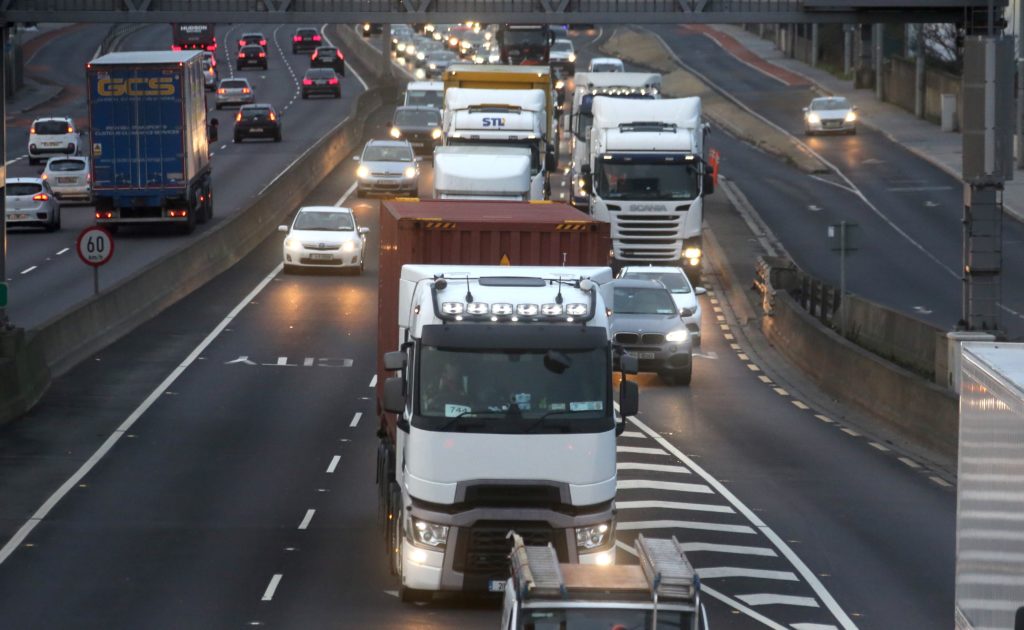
(416,144)
(321,82)
(321,256)
(644,355)
(20,216)
(67,180)
(50,144)
(832,124)
(256,129)
(496,586)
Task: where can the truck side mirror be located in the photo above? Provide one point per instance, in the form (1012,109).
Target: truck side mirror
(551,159)
(709,183)
(394,394)
(395,360)
(585,177)
(629,364)
(629,402)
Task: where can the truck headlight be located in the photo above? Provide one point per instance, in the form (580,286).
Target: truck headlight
(362,172)
(348,246)
(409,172)
(559,84)
(677,336)
(593,536)
(692,252)
(432,534)
(395,133)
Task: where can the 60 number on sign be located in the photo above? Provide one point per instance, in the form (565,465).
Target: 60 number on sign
(95,246)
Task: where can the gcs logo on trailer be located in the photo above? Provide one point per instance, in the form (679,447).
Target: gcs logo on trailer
(494,122)
(138,86)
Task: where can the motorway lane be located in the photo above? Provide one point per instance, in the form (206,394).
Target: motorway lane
(924,202)
(45,284)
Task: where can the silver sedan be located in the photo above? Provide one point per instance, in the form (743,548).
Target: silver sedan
(830,114)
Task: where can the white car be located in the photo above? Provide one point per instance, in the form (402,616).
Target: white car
(563,56)
(606,64)
(29,202)
(683,293)
(234,91)
(830,114)
(69,178)
(324,237)
(53,136)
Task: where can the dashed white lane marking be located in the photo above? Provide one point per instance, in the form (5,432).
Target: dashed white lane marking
(355,419)
(822,418)
(333,465)
(724,326)
(73,481)
(652,467)
(64,251)
(29,270)
(307,518)
(718,309)
(742,357)
(753,368)
(708,527)
(780,391)
(813,626)
(643,450)
(373,381)
(729,336)
(850,432)
(760,574)
(766,599)
(632,434)
(884,449)
(12,161)
(733,549)
(674,486)
(272,587)
(720,318)
(673,505)
(799,405)
(909,462)
(942,482)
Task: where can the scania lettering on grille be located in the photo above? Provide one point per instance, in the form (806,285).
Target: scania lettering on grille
(646,207)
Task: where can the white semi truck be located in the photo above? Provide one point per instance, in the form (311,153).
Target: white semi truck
(629,85)
(990,488)
(469,172)
(503,118)
(647,175)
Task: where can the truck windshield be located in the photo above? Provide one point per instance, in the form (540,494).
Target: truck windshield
(675,181)
(525,37)
(533,146)
(511,390)
(592,619)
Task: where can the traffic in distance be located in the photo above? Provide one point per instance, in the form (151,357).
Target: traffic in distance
(535,216)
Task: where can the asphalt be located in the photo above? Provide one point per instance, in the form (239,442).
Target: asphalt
(44,275)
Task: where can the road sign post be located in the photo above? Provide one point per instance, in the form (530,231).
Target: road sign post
(840,238)
(95,246)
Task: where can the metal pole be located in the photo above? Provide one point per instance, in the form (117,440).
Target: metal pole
(814,45)
(4,323)
(876,36)
(842,278)
(847,49)
(96,280)
(919,77)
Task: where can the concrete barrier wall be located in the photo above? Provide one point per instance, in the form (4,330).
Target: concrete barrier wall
(917,409)
(29,358)
(904,340)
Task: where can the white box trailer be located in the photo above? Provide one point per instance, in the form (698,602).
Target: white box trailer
(488,172)
(990,488)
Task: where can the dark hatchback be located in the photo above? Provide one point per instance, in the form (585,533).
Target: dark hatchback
(253,39)
(252,55)
(321,81)
(259,120)
(420,125)
(305,40)
(328,57)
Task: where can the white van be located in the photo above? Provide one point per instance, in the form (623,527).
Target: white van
(425,93)
(53,136)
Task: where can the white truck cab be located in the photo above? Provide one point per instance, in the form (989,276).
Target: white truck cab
(662,592)
(425,93)
(484,172)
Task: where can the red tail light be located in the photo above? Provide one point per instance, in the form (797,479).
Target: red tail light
(263,54)
(263,42)
(241,42)
(307,82)
(341,55)
(297,38)
(40,197)
(176,48)
(315,53)
(333,81)
(316,38)
(241,55)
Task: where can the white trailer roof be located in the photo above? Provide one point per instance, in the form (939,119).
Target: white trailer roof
(464,98)
(1005,360)
(143,57)
(482,172)
(685,113)
(618,79)
(426,86)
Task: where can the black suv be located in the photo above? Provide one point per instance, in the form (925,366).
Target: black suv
(305,39)
(252,55)
(259,120)
(321,81)
(328,57)
(253,39)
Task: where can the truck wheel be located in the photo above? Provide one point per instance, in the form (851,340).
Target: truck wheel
(394,529)
(56,224)
(413,595)
(189,225)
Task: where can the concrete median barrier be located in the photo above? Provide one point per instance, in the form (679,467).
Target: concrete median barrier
(28,359)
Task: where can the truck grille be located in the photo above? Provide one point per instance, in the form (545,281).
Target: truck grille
(644,236)
(484,548)
(513,496)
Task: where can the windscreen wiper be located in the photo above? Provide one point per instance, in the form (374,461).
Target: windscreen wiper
(541,420)
(465,415)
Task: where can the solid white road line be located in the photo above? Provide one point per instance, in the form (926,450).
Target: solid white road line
(805,572)
(652,467)
(742,572)
(272,587)
(673,505)
(348,66)
(646,484)
(307,518)
(722,597)
(632,526)
(74,479)
(355,419)
(341,200)
(734,549)
(29,270)
(767,599)
(333,465)
(644,450)
(373,381)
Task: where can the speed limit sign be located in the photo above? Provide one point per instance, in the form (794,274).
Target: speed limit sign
(95,246)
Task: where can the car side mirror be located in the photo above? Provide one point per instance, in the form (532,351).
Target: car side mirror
(700,290)
(364,230)
(282,228)
(805,110)
(855,108)
(629,401)
(395,360)
(709,183)
(394,394)
(629,364)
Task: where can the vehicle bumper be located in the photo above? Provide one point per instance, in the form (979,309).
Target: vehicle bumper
(830,126)
(335,259)
(264,131)
(72,193)
(322,90)
(568,66)
(241,63)
(50,151)
(659,359)
(389,185)
(235,100)
(28,217)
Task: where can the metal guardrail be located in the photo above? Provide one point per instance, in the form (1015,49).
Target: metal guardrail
(772,274)
(506,11)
